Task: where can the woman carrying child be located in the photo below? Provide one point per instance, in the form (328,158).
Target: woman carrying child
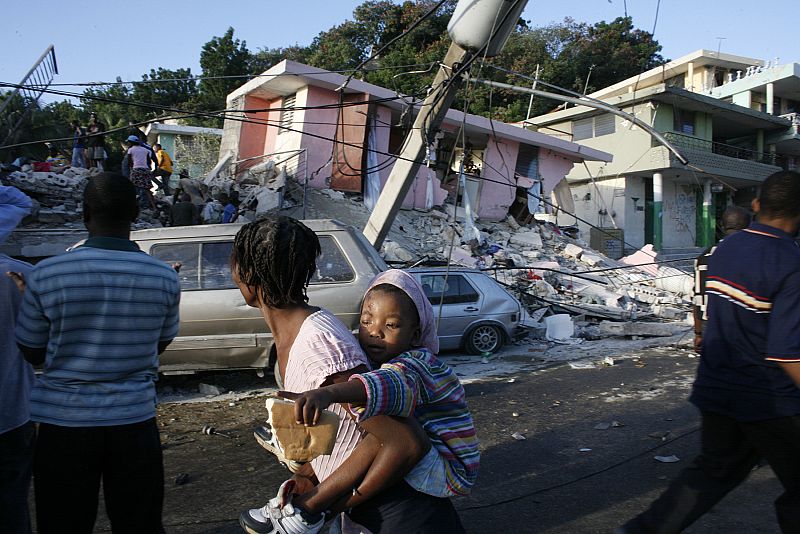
(273,260)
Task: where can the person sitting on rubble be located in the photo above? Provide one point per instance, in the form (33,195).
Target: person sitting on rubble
(398,333)
(212,211)
(139,160)
(231,210)
(272,261)
(183,212)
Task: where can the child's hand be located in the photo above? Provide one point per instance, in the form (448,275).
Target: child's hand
(308,406)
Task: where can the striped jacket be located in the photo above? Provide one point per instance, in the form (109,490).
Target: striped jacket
(417,384)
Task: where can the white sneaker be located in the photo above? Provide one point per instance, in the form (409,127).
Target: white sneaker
(280,517)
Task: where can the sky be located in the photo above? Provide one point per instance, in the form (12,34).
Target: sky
(98,41)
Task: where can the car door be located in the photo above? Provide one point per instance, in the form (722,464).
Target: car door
(218,329)
(456,305)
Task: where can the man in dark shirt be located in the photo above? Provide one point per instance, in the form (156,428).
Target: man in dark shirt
(183,212)
(748,381)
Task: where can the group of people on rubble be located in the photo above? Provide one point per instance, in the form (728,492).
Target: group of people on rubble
(88,144)
(97,317)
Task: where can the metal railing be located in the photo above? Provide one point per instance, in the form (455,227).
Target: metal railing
(32,86)
(688,142)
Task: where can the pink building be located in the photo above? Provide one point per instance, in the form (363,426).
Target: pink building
(352,147)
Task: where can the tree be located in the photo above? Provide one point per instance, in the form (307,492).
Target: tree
(166,88)
(221,57)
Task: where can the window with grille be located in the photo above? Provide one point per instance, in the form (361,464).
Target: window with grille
(287,113)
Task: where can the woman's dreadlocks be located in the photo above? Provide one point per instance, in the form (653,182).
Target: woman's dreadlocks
(277,256)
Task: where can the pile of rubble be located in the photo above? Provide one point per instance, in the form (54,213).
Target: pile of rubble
(58,198)
(547,267)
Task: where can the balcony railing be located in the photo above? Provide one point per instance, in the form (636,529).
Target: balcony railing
(688,142)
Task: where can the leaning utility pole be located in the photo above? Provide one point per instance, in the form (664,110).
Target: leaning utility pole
(477,28)
(426,124)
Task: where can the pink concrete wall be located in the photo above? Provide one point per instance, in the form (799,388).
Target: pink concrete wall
(274,117)
(499,186)
(552,168)
(324,125)
(252,136)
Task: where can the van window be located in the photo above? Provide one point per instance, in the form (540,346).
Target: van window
(215,266)
(332,265)
(207,265)
(188,254)
(203,265)
(456,290)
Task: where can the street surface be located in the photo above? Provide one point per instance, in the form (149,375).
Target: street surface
(585,466)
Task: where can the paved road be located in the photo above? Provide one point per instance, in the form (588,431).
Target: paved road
(543,484)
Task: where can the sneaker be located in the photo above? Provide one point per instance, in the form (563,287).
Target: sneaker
(279,516)
(267,439)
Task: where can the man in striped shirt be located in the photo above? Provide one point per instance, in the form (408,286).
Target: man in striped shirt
(748,381)
(96,319)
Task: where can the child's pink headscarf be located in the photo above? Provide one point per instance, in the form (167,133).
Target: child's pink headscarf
(409,284)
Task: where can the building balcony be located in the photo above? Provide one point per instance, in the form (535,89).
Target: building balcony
(719,158)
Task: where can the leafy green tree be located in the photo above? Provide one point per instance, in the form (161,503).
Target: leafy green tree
(166,88)
(221,57)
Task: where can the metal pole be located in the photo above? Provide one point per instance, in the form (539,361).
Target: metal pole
(592,104)
(405,169)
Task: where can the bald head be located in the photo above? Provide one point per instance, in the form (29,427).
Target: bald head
(735,218)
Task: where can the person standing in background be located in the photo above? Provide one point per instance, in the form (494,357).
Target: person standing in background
(163,168)
(16,380)
(78,144)
(96,142)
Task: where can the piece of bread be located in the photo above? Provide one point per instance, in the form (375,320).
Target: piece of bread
(301,443)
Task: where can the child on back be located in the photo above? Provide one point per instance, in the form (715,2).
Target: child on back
(398,333)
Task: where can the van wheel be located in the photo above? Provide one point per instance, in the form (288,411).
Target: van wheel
(484,338)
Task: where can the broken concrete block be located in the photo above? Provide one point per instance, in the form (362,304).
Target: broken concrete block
(530,239)
(609,328)
(591,259)
(394,252)
(268,200)
(210,389)
(512,222)
(573,251)
(463,257)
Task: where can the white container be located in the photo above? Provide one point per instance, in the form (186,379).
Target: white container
(474,22)
(559,327)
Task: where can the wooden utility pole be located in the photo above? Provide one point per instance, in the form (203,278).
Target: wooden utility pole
(426,125)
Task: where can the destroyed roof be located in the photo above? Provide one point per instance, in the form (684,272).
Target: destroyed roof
(287,77)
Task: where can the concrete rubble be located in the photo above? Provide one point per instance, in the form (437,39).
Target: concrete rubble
(545,266)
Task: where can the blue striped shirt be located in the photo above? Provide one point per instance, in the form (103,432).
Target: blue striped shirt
(100,311)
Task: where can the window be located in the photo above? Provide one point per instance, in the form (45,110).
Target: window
(287,113)
(203,265)
(332,265)
(456,290)
(604,125)
(207,265)
(683,121)
(582,129)
(593,127)
(215,266)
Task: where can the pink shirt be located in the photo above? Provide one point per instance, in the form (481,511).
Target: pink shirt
(139,155)
(323,347)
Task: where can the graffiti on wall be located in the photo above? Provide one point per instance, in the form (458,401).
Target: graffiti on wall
(681,209)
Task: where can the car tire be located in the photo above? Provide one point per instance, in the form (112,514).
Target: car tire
(484,338)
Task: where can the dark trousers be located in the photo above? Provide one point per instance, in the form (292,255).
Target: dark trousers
(730,450)
(402,509)
(69,464)
(16,458)
(161,179)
